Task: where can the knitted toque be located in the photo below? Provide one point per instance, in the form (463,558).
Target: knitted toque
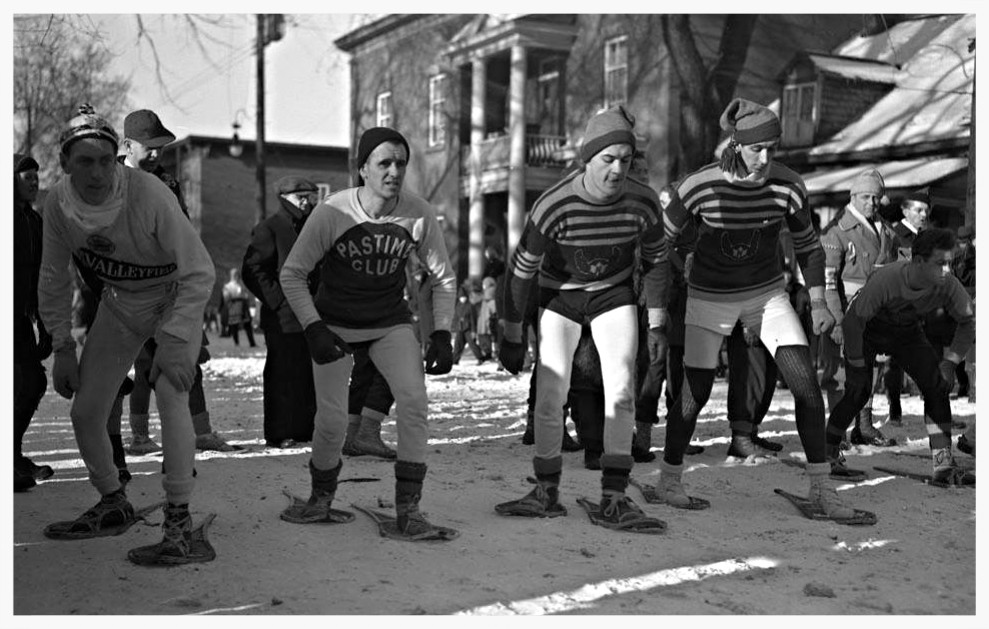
(869,182)
(370,140)
(749,122)
(611,126)
(87,125)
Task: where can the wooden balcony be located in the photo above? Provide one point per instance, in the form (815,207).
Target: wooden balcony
(545,156)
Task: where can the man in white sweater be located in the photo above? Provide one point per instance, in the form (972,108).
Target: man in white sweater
(126,227)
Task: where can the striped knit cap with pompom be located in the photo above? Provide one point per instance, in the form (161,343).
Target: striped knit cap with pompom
(748,123)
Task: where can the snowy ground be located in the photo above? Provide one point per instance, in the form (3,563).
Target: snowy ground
(751,553)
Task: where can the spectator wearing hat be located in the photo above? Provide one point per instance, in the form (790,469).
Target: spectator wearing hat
(125,227)
(581,242)
(856,242)
(887,317)
(289,396)
(145,137)
(360,239)
(30,380)
(740,205)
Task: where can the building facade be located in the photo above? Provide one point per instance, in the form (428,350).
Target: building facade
(494,105)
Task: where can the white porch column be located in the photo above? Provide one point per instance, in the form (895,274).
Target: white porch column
(516,155)
(475,218)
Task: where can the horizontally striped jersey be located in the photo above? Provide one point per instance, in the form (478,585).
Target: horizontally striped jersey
(362,264)
(739,223)
(575,243)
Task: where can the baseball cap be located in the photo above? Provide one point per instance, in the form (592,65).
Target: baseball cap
(144,126)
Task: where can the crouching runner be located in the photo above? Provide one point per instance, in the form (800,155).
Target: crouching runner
(360,239)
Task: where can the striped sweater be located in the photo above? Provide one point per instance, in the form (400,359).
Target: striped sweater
(572,242)
(739,223)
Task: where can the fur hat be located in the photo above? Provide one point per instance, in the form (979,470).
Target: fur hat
(24,162)
(869,182)
(294,183)
(749,122)
(611,126)
(144,126)
(86,124)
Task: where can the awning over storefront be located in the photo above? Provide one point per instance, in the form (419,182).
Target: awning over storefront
(905,174)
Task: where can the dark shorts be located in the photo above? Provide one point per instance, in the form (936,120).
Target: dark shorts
(583,306)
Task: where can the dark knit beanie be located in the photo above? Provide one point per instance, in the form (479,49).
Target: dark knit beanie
(294,183)
(371,138)
(749,122)
(86,124)
(611,126)
(23,163)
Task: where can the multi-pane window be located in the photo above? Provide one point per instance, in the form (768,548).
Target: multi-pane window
(437,107)
(385,113)
(616,71)
(798,114)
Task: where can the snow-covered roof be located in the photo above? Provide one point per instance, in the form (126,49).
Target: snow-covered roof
(860,69)
(909,173)
(932,99)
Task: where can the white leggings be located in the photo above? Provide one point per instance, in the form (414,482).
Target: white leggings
(110,350)
(616,335)
(398,357)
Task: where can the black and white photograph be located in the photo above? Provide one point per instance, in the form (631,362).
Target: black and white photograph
(488,315)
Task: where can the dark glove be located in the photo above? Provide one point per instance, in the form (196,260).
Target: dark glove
(821,317)
(512,356)
(657,344)
(947,369)
(324,345)
(439,353)
(65,373)
(172,361)
(44,342)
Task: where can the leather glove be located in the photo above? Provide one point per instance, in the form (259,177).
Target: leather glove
(801,300)
(947,369)
(439,353)
(512,356)
(171,360)
(324,345)
(838,335)
(44,342)
(657,345)
(65,373)
(821,317)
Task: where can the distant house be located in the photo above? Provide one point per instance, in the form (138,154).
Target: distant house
(899,101)
(494,105)
(221,190)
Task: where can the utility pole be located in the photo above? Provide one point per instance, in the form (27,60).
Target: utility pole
(271,27)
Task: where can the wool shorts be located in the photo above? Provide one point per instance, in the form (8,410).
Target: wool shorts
(582,306)
(770,316)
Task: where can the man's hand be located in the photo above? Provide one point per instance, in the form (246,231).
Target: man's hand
(44,342)
(657,345)
(838,335)
(172,361)
(947,369)
(512,356)
(439,353)
(821,317)
(65,373)
(324,345)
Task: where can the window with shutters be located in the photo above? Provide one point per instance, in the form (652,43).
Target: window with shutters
(385,116)
(616,71)
(799,114)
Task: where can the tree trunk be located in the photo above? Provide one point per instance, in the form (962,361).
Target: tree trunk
(704,93)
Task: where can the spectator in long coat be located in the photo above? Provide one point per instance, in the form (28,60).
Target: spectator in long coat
(289,397)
